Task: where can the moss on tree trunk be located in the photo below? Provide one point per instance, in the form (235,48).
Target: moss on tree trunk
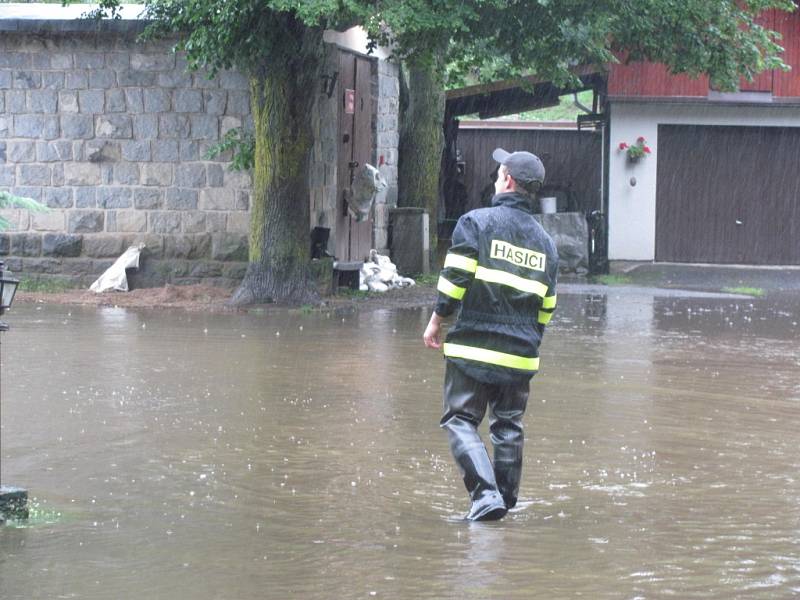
(421,140)
(278,270)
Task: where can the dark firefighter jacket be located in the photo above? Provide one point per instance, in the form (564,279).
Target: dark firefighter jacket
(501,268)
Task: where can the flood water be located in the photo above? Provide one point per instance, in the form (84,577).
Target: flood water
(187,456)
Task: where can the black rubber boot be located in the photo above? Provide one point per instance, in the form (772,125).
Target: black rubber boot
(507,438)
(488,508)
(476,469)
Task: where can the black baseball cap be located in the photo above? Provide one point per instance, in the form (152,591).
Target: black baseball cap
(522,166)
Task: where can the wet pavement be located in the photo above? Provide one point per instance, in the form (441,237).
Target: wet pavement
(710,277)
(297,455)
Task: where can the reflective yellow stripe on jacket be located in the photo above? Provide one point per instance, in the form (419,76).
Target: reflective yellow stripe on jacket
(509,279)
(492,357)
(548,306)
(457,261)
(545,316)
(449,289)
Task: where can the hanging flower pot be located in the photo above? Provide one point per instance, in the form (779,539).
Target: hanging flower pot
(635,152)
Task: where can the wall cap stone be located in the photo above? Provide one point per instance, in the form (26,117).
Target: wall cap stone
(53,18)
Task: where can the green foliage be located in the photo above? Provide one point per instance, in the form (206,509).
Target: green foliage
(483,39)
(250,35)
(566,110)
(40,515)
(8,200)
(350,293)
(104,9)
(490,40)
(744,290)
(613,279)
(636,150)
(46,285)
(427,279)
(242,145)
(719,37)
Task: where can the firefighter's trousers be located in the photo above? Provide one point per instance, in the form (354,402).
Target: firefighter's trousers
(491,484)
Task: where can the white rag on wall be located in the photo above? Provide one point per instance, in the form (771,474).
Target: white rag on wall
(367,183)
(114,278)
(379,274)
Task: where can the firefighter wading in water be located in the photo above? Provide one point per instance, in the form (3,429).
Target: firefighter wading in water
(501,269)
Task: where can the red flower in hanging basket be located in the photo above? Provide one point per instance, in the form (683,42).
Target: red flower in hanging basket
(636,151)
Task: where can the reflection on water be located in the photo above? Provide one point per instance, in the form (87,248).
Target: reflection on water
(299,456)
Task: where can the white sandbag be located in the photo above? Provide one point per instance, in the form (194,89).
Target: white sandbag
(379,274)
(114,278)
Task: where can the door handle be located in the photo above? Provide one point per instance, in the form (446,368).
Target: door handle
(353,164)
(738,222)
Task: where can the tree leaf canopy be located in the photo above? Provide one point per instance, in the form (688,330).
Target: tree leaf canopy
(487,38)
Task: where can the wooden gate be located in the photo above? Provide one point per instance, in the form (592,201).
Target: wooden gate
(572,160)
(728,195)
(353,239)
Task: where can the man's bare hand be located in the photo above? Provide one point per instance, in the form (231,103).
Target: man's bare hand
(433,332)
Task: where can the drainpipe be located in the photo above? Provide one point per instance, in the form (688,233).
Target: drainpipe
(604,203)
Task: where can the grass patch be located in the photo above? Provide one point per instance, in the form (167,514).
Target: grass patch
(305,309)
(39,515)
(615,279)
(349,293)
(50,285)
(744,290)
(429,279)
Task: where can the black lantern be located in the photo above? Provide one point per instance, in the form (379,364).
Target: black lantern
(13,500)
(8,287)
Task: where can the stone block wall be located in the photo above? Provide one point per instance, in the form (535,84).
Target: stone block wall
(112,134)
(388,141)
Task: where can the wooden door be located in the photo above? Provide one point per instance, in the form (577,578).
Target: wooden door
(728,195)
(353,239)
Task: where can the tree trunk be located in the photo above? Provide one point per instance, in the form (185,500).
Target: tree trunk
(421,141)
(282,101)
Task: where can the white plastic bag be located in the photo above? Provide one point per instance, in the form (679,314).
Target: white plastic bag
(380,274)
(367,182)
(114,278)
